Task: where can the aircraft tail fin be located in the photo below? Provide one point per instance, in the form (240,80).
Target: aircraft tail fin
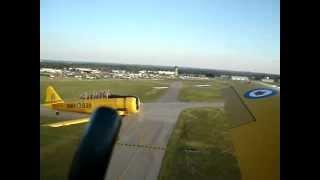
(52,96)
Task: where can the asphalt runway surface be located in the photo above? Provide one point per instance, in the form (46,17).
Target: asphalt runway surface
(143,137)
(172,93)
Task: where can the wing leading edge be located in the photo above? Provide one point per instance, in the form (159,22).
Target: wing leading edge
(68,122)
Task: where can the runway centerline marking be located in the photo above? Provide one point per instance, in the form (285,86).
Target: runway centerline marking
(142,146)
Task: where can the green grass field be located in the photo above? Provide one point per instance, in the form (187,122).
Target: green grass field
(71,89)
(190,92)
(57,147)
(200,147)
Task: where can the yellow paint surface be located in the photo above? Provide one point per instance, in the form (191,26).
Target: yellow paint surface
(257,144)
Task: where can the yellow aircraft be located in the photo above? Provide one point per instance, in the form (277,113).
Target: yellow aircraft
(254,111)
(124,105)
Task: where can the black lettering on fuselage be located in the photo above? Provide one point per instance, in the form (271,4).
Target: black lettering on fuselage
(79,105)
(70,105)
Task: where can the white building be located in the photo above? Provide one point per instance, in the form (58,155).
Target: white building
(267,79)
(88,70)
(118,71)
(95,72)
(50,70)
(142,72)
(84,69)
(166,72)
(239,78)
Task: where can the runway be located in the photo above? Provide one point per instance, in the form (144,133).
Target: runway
(144,137)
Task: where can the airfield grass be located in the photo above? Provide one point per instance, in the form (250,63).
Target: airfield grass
(57,147)
(71,89)
(190,93)
(200,147)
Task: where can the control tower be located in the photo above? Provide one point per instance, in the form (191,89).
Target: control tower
(176,71)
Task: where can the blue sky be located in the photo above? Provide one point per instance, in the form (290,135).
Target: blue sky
(218,34)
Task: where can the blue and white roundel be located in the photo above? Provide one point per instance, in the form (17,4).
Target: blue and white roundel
(260,93)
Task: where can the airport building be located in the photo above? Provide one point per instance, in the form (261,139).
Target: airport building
(239,78)
(267,79)
(176,71)
(50,70)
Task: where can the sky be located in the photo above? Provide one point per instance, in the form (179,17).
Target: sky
(241,35)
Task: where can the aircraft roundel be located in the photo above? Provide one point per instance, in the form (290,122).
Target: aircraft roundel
(259,93)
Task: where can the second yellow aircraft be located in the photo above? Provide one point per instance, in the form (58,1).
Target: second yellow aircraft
(123,104)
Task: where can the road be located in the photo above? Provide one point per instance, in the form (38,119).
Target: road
(143,137)
(172,93)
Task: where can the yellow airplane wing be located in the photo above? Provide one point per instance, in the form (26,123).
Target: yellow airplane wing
(254,111)
(64,118)
(68,122)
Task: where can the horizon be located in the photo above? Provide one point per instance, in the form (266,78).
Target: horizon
(167,66)
(228,35)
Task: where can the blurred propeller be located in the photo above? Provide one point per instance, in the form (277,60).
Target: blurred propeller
(92,157)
